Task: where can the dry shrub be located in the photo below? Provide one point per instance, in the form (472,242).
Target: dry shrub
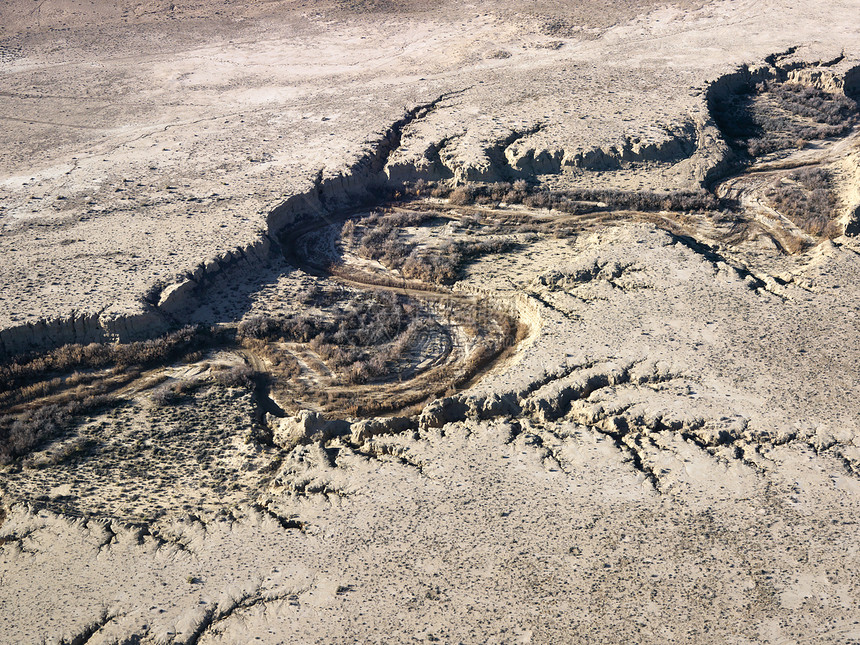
(443,265)
(508,331)
(807,199)
(263,327)
(792,245)
(364,341)
(581,201)
(410,218)
(320,295)
(369,344)
(165,396)
(174,392)
(774,116)
(441,191)
(540,199)
(243,376)
(347,231)
(813,103)
(643,201)
(20,433)
(463,195)
(99,368)
(18,371)
(381,239)
(382,242)
(290,328)
(499,190)
(44,388)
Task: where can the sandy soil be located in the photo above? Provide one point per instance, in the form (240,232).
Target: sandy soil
(670,455)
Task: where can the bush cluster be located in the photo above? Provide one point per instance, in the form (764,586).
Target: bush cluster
(20,433)
(25,379)
(237,376)
(174,392)
(364,341)
(813,103)
(321,295)
(774,116)
(25,370)
(576,201)
(358,365)
(378,237)
(808,200)
(443,265)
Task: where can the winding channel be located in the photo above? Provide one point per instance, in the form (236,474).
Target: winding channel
(454,367)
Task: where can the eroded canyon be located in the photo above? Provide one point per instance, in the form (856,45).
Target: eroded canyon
(393,322)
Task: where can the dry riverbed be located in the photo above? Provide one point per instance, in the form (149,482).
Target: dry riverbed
(407,322)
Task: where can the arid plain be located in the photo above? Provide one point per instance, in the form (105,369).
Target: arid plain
(394,321)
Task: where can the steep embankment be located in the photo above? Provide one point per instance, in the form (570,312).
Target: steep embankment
(696,148)
(163,306)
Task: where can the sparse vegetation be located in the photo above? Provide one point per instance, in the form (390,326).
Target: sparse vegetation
(174,392)
(322,295)
(20,433)
(575,201)
(43,394)
(378,237)
(772,116)
(237,376)
(443,265)
(360,338)
(365,340)
(24,371)
(165,396)
(806,197)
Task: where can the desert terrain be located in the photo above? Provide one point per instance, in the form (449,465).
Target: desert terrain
(397,321)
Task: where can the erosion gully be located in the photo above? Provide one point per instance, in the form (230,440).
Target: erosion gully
(454,369)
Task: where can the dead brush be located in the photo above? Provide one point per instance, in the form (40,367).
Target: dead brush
(807,198)
(20,433)
(22,370)
(281,362)
(41,400)
(579,201)
(42,389)
(439,266)
(774,116)
(243,376)
(362,342)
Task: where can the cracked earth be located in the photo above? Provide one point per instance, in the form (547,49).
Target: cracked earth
(408,322)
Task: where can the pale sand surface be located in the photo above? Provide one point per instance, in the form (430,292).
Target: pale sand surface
(670,455)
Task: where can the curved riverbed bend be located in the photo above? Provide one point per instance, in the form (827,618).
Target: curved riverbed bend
(407,322)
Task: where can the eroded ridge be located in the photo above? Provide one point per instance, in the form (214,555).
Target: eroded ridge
(449,351)
(389,324)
